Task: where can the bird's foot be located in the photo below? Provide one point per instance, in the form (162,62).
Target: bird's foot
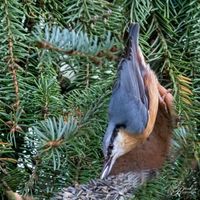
(165,98)
(162,102)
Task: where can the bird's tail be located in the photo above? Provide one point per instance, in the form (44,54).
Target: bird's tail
(121,186)
(134,35)
(139,67)
(134,49)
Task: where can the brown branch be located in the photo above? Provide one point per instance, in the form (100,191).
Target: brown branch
(45,110)
(13,127)
(11,195)
(12,67)
(87,75)
(96,58)
(11,62)
(3,168)
(8,159)
(5,143)
(53,144)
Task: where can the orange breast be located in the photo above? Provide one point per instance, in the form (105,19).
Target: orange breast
(150,154)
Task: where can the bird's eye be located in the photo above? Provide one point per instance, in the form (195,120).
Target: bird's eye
(110,148)
(118,126)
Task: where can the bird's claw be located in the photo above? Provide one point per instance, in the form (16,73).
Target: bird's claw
(162,99)
(162,102)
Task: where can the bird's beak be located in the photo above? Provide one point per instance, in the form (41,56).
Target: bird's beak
(107,167)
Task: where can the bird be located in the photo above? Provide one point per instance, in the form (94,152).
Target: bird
(133,105)
(140,107)
(134,168)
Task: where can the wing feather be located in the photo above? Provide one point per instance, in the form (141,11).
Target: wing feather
(129,102)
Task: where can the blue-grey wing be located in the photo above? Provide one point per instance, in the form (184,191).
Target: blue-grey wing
(129,101)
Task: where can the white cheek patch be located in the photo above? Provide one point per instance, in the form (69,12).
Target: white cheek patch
(118,146)
(117,151)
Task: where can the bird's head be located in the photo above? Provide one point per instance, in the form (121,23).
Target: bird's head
(117,142)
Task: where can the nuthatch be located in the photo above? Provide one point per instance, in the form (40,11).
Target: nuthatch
(133,105)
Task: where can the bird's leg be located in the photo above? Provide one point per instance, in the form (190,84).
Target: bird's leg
(165,98)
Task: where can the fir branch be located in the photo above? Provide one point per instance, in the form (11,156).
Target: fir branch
(52,134)
(78,44)
(138,11)
(11,63)
(170,39)
(85,15)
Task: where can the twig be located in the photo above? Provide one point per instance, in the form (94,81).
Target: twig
(96,59)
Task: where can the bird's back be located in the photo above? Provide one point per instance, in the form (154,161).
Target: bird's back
(129,102)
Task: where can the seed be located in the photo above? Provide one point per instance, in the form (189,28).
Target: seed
(120,187)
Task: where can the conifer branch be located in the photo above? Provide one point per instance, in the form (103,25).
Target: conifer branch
(77,44)
(80,45)
(11,62)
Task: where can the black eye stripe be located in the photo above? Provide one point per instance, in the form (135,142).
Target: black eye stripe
(116,130)
(114,134)
(110,148)
(118,126)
